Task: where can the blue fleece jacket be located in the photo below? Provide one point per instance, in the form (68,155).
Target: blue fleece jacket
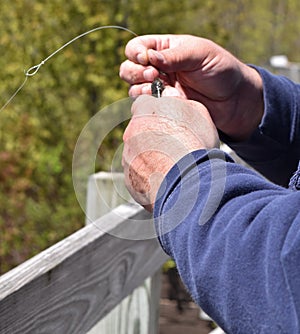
(234,234)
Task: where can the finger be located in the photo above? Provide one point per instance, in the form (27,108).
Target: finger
(145,89)
(137,90)
(186,53)
(173,60)
(172,91)
(137,49)
(135,73)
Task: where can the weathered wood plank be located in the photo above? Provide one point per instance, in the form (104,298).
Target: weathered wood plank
(139,311)
(70,286)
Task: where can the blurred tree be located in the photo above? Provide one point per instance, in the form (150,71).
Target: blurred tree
(39,129)
(253,30)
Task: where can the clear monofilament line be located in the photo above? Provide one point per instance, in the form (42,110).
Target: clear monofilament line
(34,69)
(14,94)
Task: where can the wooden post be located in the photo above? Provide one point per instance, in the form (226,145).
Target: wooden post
(139,312)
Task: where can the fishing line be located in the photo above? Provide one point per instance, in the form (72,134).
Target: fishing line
(34,69)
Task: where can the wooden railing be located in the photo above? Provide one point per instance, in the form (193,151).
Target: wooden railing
(103,279)
(72,285)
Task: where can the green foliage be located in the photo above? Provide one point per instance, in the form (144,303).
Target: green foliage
(39,129)
(253,30)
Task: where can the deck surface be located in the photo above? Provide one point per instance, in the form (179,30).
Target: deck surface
(173,321)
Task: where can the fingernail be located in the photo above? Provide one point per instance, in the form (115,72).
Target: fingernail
(157,55)
(142,58)
(149,74)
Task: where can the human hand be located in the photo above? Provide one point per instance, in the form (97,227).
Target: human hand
(198,69)
(159,134)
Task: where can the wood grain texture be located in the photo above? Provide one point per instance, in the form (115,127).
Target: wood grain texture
(139,311)
(72,285)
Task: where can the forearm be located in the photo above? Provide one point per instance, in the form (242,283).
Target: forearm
(235,264)
(274,147)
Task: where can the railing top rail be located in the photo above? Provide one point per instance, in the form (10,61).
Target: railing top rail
(73,284)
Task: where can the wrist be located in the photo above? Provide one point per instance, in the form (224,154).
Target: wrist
(249,106)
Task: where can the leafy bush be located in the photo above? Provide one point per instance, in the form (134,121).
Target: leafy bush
(39,128)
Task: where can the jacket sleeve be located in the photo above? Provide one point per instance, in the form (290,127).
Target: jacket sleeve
(235,238)
(274,148)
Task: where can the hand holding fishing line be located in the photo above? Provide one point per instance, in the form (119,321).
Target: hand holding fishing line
(197,69)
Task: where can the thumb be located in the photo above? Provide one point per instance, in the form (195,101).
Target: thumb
(171,60)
